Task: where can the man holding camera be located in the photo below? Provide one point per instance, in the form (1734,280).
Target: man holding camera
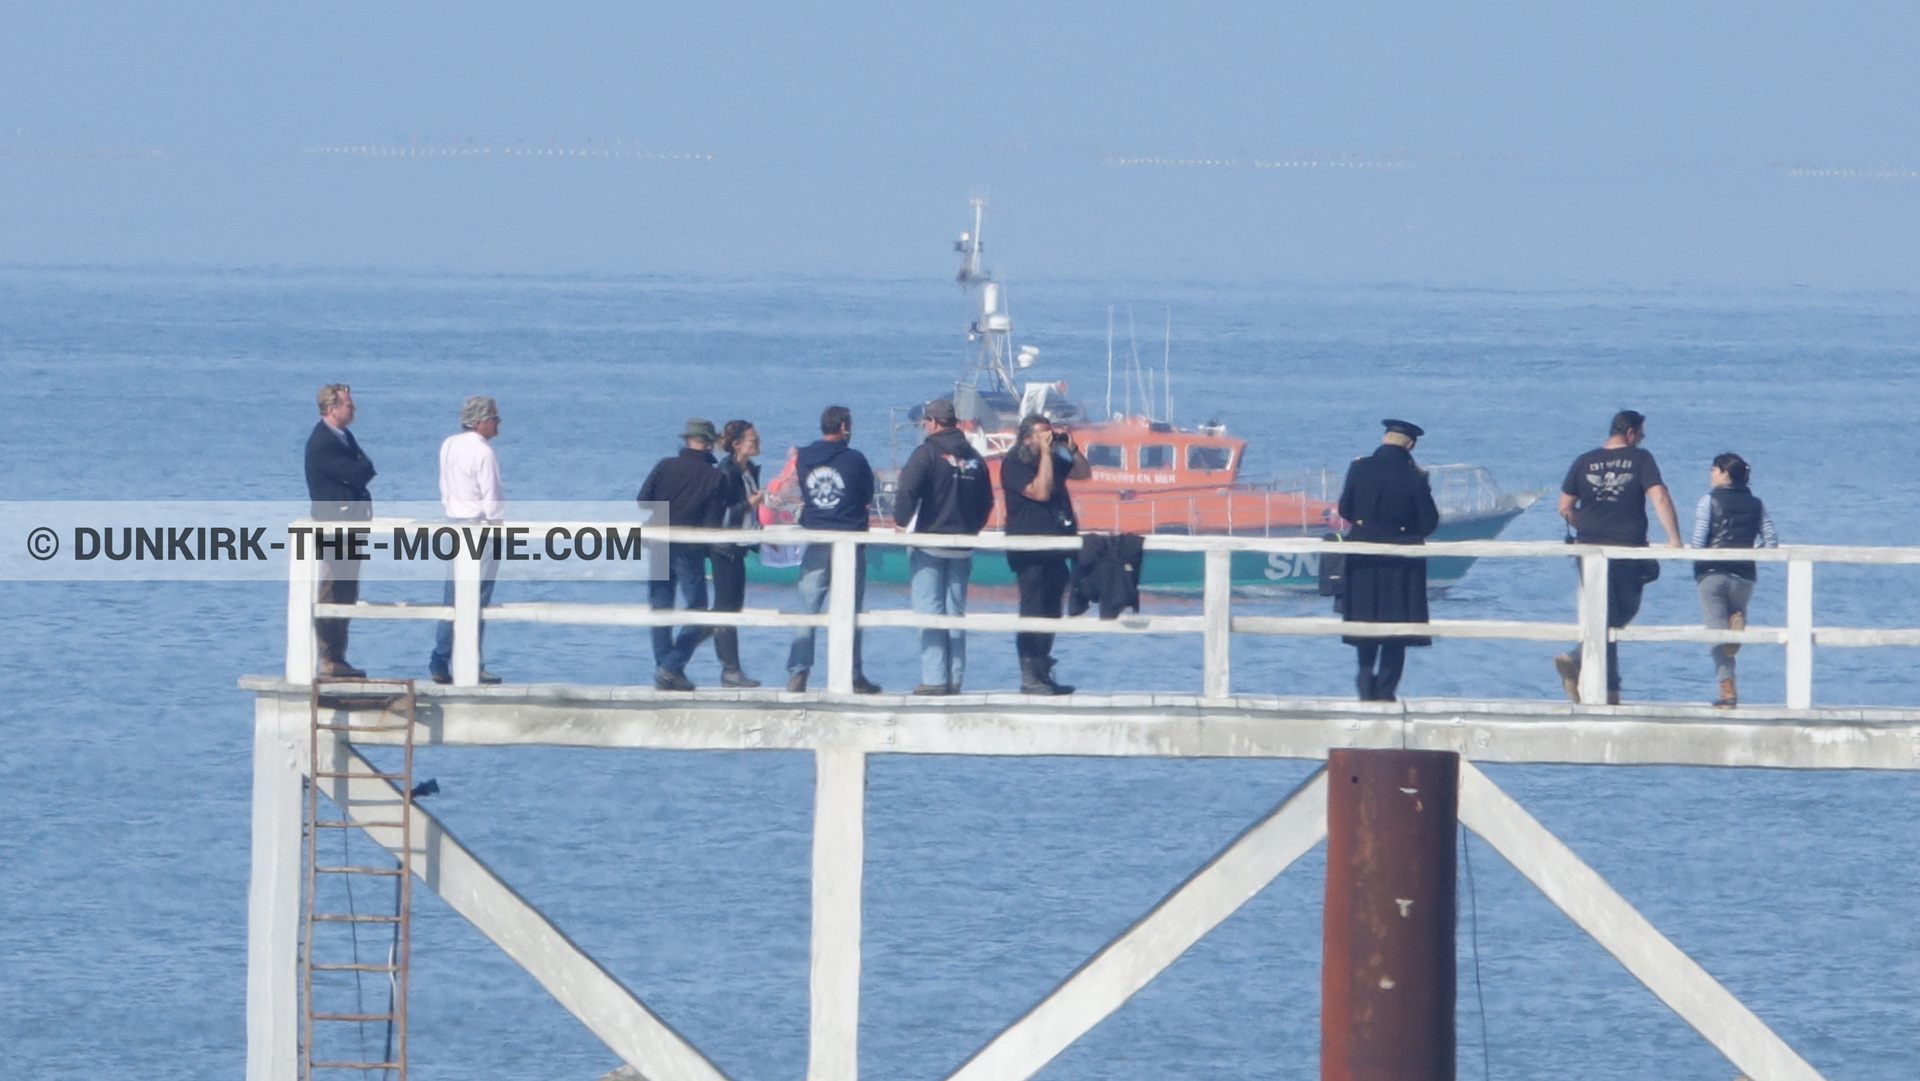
(1034,476)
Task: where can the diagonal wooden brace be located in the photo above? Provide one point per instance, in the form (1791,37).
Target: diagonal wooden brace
(569,974)
(1122,967)
(1597,909)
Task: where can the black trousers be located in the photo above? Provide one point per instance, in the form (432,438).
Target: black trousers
(1379,685)
(729,595)
(339,584)
(1043,579)
(1626,581)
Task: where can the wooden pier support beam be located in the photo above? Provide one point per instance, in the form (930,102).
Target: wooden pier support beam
(273,892)
(839,861)
(1387,971)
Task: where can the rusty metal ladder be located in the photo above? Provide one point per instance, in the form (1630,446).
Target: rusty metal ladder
(391,700)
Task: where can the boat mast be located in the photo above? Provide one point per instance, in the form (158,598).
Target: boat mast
(1166,368)
(991,331)
(1109,362)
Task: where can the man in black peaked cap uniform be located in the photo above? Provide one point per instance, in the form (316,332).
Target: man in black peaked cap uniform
(1387,500)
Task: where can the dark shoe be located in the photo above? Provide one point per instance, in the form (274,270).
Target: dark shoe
(1569,670)
(932,690)
(441,677)
(1613,698)
(1364,684)
(861,685)
(734,677)
(341,670)
(666,679)
(796,683)
(1033,678)
(1046,673)
(488,678)
(1727,699)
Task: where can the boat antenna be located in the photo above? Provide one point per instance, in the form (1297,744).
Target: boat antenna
(1133,369)
(1166,367)
(1109,362)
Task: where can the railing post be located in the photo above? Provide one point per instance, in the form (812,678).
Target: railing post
(1593,629)
(839,855)
(302,588)
(466,621)
(1217,609)
(841,618)
(1799,634)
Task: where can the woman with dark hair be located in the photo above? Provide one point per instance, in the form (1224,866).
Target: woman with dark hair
(740,496)
(1729,516)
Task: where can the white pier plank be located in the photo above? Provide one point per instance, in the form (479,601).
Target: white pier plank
(1143,951)
(1591,903)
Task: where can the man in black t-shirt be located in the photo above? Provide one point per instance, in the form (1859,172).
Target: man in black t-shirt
(1604,500)
(1034,476)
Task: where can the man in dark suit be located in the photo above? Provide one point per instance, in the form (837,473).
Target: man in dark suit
(1387,500)
(337,475)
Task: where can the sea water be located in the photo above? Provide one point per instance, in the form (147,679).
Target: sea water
(124,767)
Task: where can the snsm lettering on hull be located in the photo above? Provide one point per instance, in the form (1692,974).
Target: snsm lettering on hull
(1286,565)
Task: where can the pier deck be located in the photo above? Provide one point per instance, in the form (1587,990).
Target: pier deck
(841,731)
(1157,725)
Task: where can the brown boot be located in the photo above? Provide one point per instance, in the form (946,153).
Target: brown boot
(1727,699)
(1568,668)
(1735,622)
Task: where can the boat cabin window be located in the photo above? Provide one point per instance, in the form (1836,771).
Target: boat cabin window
(1200,456)
(1106,456)
(1156,456)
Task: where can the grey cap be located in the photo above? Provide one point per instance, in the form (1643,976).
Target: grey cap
(477,410)
(700,428)
(939,409)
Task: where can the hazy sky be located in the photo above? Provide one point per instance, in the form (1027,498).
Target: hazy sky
(1518,144)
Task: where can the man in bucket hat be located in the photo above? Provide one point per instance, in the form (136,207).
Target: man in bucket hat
(689,483)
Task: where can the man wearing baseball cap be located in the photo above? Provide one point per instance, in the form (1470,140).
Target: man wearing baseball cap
(944,489)
(689,483)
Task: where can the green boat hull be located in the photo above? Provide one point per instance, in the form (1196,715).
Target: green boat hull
(1254,573)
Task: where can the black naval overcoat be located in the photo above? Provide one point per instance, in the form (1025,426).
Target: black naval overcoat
(1388,501)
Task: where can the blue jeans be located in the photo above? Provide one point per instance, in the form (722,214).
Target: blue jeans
(441,663)
(686,587)
(939,586)
(816,577)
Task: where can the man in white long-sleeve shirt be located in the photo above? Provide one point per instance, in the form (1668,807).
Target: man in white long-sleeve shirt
(470,492)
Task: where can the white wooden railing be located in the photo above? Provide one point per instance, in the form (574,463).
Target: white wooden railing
(1216,622)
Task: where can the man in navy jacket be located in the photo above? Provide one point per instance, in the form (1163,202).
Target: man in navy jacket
(836,485)
(337,475)
(943,488)
(689,484)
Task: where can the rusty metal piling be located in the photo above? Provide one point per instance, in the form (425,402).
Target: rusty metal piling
(1387,970)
